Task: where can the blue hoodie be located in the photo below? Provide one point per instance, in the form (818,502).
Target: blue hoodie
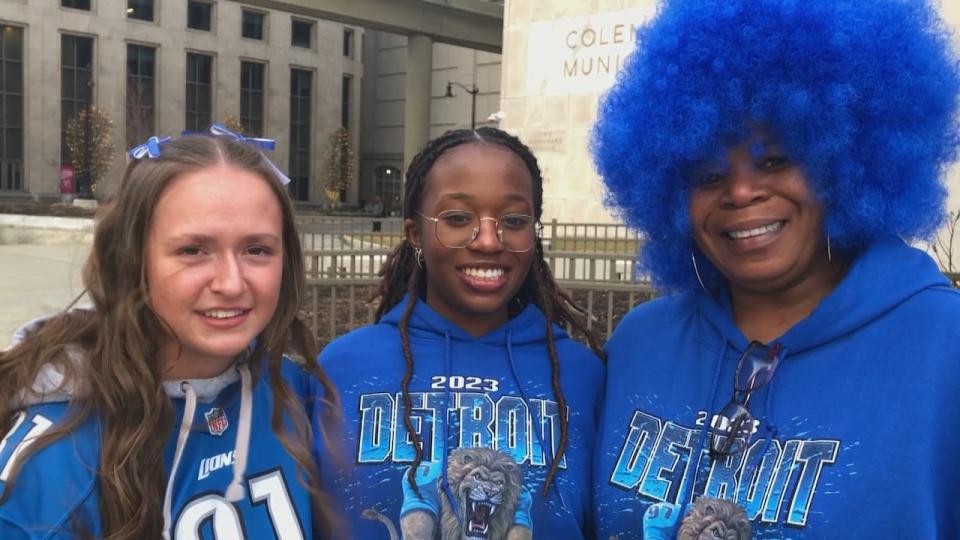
(855,428)
(488,417)
(222,484)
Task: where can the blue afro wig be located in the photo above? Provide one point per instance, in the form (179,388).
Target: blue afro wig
(862,93)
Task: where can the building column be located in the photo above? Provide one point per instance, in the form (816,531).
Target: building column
(416,113)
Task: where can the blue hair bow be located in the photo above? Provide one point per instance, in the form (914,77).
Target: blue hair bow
(260,143)
(149,149)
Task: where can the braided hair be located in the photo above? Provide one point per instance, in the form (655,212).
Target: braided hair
(401,275)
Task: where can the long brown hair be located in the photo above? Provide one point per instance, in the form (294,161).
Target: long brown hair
(401,275)
(119,380)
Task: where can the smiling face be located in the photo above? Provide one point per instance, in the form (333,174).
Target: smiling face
(758,221)
(214,263)
(472,286)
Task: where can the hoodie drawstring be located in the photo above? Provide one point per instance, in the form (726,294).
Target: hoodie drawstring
(235,491)
(537,432)
(444,484)
(523,395)
(189,409)
(690,476)
(771,428)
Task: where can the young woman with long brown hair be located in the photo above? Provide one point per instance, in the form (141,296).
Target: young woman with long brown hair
(469,410)
(134,419)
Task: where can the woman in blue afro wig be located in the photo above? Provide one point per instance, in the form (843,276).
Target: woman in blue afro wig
(777,156)
(862,93)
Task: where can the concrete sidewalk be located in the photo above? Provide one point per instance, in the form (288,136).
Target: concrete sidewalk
(36,280)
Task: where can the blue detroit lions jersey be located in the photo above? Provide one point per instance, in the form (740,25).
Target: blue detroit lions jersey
(55,494)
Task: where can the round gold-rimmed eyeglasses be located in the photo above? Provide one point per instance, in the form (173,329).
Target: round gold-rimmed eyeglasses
(457,229)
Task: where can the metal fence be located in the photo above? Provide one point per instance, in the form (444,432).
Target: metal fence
(595,263)
(339,248)
(336,306)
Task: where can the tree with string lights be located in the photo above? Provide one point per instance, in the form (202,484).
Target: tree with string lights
(337,166)
(91,147)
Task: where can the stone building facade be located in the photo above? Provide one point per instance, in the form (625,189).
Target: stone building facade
(165,66)
(558,59)
(382,112)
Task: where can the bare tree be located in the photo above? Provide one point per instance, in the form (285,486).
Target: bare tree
(943,247)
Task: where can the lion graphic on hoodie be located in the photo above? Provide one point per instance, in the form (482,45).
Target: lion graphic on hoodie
(487,487)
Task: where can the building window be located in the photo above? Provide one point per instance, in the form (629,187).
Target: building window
(199,105)
(388,185)
(348,42)
(140,9)
(140,91)
(251,98)
(252,25)
(301,90)
(345,103)
(11,108)
(301,34)
(76,83)
(76,4)
(199,15)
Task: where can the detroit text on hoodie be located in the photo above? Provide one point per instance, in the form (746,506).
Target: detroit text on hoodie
(486,412)
(856,433)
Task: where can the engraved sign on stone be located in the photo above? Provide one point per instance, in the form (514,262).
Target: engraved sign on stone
(580,54)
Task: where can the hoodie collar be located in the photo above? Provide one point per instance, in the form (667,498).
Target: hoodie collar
(528,326)
(51,386)
(875,284)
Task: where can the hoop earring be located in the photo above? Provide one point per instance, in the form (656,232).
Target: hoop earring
(418,254)
(829,252)
(696,271)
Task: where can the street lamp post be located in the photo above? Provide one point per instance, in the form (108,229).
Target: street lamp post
(84,179)
(85,190)
(473,91)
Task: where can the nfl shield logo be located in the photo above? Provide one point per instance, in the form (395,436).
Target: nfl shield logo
(216,421)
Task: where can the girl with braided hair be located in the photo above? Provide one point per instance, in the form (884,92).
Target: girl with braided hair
(778,156)
(473,411)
